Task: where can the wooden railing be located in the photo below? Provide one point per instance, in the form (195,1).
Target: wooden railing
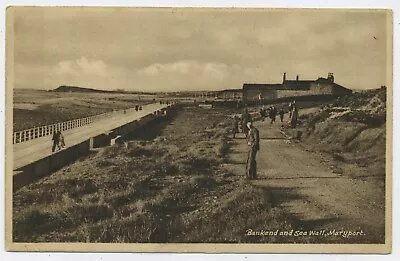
(37,132)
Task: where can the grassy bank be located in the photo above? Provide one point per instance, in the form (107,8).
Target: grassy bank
(352,130)
(169,187)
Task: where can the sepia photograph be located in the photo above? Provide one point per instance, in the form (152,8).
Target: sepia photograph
(205,129)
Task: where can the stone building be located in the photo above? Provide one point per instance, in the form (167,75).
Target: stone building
(294,88)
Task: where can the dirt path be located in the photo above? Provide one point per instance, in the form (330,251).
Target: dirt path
(313,195)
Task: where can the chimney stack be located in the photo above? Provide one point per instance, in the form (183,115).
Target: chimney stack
(331,78)
(284,77)
(297,77)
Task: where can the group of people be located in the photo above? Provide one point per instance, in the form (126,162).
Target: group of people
(272,113)
(244,120)
(252,133)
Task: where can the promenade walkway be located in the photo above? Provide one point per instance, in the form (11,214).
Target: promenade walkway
(33,150)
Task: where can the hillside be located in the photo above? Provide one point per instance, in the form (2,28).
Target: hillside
(66,88)
(352,130)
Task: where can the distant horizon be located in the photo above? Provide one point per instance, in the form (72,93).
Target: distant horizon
(174,49)
(133,90)
(204,90)
(116,90)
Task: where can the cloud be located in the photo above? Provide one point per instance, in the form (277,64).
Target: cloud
(81,67)
(188,75)
(186,67)
(197,48)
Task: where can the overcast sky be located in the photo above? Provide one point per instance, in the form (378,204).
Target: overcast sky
(196,49)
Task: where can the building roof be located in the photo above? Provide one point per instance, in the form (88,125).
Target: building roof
(287,85)
(258,86)
(322,80)
(341,87)
(290,85)
(297,84)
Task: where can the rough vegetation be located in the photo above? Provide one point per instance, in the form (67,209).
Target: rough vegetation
(171,183)
(352,129)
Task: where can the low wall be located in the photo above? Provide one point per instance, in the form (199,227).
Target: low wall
(101,140)
(43,167)
(289,99)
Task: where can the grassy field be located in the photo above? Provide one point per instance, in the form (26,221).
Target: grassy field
(32,108)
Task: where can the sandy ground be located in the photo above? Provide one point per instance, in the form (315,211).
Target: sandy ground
(302,184)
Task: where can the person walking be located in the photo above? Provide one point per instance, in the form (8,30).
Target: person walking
(235,126)
(62,141)
(246,118)
(262,113)
(58,141)
(272,114)
(253,141)
(290,110)
(238,104)
(281,114)
(294,116)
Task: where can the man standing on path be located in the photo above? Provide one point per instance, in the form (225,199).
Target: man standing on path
(253,141)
